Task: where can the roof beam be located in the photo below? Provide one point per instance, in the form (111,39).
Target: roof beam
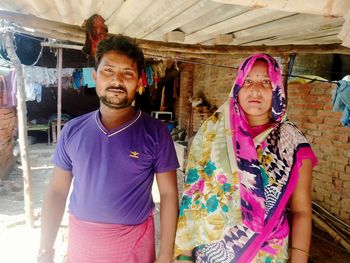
(345,31)
(316,7)
(45,28)
(75,34)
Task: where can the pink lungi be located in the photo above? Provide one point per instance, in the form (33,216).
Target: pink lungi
(110,243)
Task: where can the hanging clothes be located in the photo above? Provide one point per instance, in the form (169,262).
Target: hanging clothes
(33,91)
(149,75)
(87,78)
(41,75)
(162,100)
(77,79)
(8,90)
(341,101)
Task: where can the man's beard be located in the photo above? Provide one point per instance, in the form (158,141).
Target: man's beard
(112,103)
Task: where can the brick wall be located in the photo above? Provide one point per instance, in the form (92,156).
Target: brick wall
(310,107)
(182,104)
(7,128)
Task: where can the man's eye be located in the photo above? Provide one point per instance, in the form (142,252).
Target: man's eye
(108,70)
(129,73)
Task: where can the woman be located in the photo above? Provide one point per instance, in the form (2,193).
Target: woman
(246,162)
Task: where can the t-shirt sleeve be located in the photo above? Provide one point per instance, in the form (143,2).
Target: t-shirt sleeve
(166,159)
(61,157)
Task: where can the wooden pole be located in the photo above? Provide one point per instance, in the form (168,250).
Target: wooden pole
(22,130)
(324,226)
(59,91)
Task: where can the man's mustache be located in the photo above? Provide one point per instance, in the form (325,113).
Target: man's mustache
(119,87)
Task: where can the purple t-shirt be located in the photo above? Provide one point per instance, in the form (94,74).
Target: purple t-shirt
(113,170)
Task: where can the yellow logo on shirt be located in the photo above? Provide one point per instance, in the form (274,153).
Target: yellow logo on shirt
(134,154)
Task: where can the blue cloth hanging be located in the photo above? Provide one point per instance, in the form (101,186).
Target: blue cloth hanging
(341,101)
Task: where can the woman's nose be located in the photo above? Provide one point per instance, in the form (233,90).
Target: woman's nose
(255,90)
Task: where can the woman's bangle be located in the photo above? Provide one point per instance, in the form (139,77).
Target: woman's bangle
(183,257)
(301,250)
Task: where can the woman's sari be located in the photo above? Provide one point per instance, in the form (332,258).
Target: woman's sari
(239,180)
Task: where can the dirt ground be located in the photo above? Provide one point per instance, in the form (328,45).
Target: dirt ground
(19,243)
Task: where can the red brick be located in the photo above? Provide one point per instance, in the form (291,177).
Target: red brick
(346,185)
(343,138)
(345,177)
(344,215)
(327,107)
(310,126)
(326,113)
(345,203)
(347,169)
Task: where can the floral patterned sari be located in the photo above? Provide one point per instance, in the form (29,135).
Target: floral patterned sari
(238,181)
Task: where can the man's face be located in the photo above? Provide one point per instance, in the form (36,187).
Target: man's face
(116,80)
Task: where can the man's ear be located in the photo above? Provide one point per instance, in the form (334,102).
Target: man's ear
(139,84)
(94,75)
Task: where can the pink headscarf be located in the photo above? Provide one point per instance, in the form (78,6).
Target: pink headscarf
(251,183)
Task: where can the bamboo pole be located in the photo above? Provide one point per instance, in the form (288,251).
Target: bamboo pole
(338,238)
(22,130)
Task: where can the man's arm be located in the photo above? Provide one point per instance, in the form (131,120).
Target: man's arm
(302,214)
(169,206)
(53,210)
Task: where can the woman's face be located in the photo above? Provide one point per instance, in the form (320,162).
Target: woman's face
(255,96)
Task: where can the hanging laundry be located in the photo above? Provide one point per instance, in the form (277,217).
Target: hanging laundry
(341,101)
(162,100)
(77,79)
(347,78)
(67,72)
(149,75)
(33,91)
(87,78)
(144,78)
(41,75)
(8,90)
(161,68)
(155,77)
(3,93)
(38,92)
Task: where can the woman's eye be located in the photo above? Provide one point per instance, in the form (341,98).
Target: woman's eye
(266,83)
(247,82)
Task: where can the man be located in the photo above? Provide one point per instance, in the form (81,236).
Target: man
(112,154)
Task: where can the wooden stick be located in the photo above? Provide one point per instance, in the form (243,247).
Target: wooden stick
(22,130)
(321,224)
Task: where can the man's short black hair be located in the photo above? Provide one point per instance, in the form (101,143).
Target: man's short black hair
(123,45)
